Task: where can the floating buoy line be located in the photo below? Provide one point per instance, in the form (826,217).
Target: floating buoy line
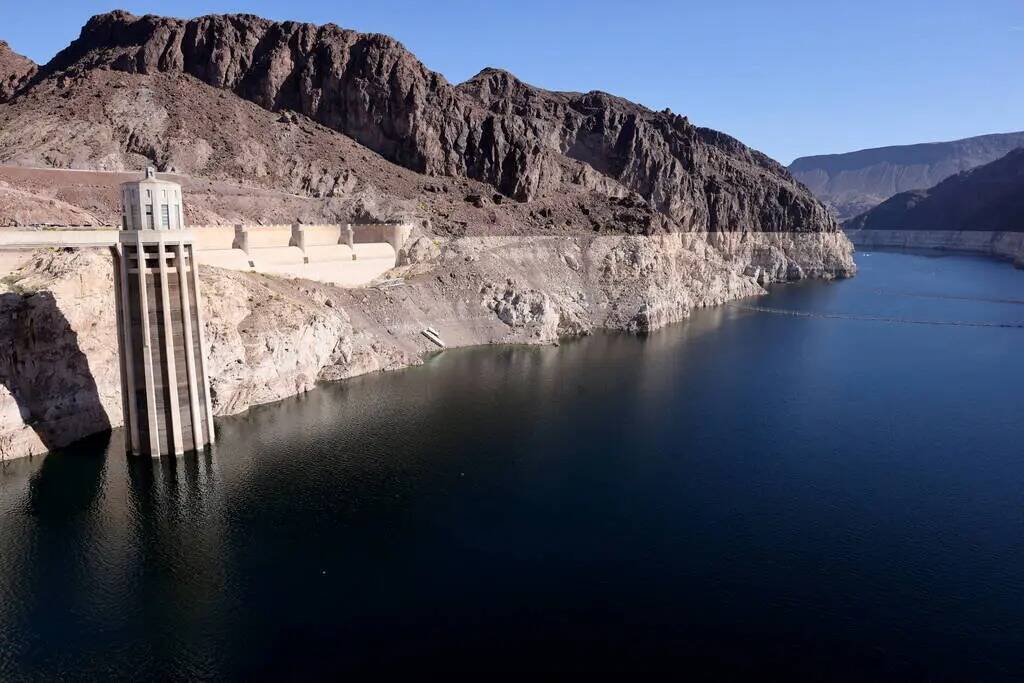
(951,297)
(874,318)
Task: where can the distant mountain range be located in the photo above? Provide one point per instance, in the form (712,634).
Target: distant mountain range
(989,198)
(855,182)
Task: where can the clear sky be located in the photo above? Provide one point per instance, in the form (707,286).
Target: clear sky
(790,78)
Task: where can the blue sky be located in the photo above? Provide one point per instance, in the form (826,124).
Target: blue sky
(789,78)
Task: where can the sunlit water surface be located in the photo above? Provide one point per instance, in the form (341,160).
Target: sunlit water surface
(747,493)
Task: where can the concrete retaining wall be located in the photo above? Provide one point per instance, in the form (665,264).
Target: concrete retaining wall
(328,252)
(232,259)
(394,234)
(38,239)
(320,235)
(209,237)
(349,255)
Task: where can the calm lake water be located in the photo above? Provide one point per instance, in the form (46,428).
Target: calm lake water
(748,493)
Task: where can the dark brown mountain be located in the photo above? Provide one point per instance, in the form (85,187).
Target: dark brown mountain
(15,71)
(243,99)
(854,182)
(989,197)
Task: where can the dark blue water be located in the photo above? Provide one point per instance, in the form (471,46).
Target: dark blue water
(746,495)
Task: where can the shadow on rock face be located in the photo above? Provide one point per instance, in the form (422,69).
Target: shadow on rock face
(46,372)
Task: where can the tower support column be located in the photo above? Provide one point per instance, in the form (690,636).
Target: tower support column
(170,369)
(204,352)
(189,339)
(124,334)
(145,332)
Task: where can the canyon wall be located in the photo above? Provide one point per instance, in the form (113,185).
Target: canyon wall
(988,198)
(539,214)
(15,71)
(270,338)
(998,244)
(855,182)
(337,114)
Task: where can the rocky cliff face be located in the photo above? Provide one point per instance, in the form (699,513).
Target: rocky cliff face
(270,338)
(525,143)
(998,244)
(986,198)
(58,353)
(540,215)
(856,182)
(15,71)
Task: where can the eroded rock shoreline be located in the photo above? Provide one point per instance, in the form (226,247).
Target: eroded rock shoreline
(543,214)
(999,244)
(271,338)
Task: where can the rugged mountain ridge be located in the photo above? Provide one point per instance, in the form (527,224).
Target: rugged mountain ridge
(986,198)
(15,71)
(979,211)
(855,182)
(526,143)
(539,215)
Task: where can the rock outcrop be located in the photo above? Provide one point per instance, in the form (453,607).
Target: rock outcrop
(15,71)
(1008,246)
(855,182)
(654,170)
(980,211)
(271,338)
(22,207)
(987,198)
(59,377)
(539,215)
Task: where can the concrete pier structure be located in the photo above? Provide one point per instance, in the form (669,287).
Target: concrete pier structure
(164,378)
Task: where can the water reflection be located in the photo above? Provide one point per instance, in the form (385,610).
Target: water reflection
(182,552)
(172,486)
(69,481)
(697,496)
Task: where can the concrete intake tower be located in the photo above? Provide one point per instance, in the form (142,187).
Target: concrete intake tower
(164,379)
